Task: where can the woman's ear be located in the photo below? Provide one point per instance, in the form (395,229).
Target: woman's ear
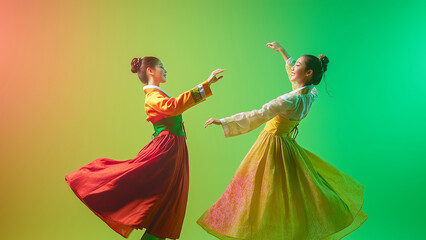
(309,72)
(149,71)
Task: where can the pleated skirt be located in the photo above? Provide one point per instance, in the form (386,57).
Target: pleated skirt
(283,191)
(149,191)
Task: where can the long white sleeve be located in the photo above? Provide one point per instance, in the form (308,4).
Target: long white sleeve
(247,121)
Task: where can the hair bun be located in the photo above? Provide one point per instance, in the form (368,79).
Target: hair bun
(136,64)
(324,62)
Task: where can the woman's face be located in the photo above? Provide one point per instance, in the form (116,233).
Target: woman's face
(159,73)
(299,74)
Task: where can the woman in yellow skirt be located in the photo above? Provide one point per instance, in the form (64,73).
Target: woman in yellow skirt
(281,190)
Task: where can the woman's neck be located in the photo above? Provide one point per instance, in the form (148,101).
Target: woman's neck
(152,82)
(297,85)
(301,91)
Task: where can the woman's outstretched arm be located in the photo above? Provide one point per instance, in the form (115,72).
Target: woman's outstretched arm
(245,122)
(176,106)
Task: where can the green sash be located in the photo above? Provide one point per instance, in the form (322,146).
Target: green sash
(172,124)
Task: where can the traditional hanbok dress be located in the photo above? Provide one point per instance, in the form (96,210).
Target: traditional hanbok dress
(149,191)
(281,190)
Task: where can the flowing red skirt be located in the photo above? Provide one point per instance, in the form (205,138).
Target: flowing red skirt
(149,191)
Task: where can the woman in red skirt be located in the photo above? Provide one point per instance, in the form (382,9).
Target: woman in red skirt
(151,190)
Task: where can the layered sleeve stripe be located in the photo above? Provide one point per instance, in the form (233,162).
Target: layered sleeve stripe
(198,93)
(203,94)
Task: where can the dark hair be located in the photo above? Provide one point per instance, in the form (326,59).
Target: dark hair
(139,66)
(318,65)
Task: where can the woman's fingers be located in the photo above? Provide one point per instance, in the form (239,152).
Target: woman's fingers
(274,45)
(211,121)
(217,71)
(213,78)
(208,122)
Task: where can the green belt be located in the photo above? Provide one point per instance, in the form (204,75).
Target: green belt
(172,124)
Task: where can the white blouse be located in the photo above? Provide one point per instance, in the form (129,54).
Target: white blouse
(292,106)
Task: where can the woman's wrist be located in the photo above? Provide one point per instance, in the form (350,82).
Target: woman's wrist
(285,55)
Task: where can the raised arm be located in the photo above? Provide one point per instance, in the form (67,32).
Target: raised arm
(289,61)
(277,47)
(247,121)
(176,106)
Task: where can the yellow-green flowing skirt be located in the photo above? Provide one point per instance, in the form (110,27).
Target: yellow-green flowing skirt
(283,191)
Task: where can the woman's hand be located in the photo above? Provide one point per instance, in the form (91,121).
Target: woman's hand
(212,121)
(213,78)
(275,46)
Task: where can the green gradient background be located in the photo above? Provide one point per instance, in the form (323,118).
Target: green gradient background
(67,96)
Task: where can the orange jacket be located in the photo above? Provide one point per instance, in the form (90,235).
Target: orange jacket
(159,105)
